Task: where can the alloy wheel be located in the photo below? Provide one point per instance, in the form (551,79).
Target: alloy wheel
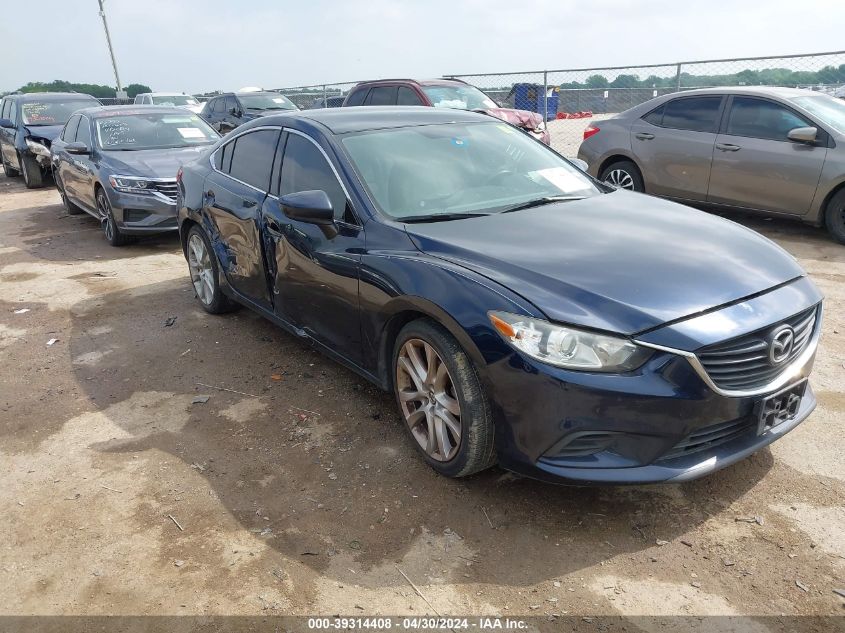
(105,217)
(620,178)
(428,400)
(202,273)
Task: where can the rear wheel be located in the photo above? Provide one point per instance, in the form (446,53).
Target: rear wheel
(204,274)
(441,400)
(32,176)
(623,174)
(112,234)
(834,217)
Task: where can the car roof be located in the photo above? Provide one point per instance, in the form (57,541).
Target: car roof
(418,82)
(102,111)
(364,118)
(768,91)
(50,96)
(166,94)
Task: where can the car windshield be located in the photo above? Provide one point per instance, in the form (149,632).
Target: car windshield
(156,130)
(266,102)
(449,169)
(174,100)
(52,112)
(459,97)
(829,110)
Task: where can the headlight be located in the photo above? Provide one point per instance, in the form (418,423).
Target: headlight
(37,148)
(567,347)
(131,184)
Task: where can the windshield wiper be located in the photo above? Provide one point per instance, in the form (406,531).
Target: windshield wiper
(538,202)
(440,217)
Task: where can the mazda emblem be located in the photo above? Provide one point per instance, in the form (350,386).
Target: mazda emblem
(781,342)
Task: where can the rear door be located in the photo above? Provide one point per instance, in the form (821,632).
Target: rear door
(756,166)
(673,145)
(62,162)
(234,193)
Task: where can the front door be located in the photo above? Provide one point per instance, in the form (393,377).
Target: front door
(673,145)
(316,276)
(234,194)
(756,166)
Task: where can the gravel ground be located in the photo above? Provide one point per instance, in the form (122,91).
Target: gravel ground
(303,495)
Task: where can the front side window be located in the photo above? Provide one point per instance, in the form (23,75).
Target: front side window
(174,100)
(156,130)
(52,112)
(408,97)
(83,132)
(69,132)
(696,114)
(304,168)
(4,109)
(217,106)
(461,168)
(252,157)
(759,118)
(460,97)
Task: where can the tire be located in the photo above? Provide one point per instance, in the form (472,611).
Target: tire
(205,273)
(69,207)
(111,231)
(834,216)
(10,171)
(623,174)
(431,418)
(32,176)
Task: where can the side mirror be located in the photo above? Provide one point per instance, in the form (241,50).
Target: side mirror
(77,148)
(7,123)
(313,207)
(580,164)
(803,134)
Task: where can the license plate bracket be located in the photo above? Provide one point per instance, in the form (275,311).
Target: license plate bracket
(779,407)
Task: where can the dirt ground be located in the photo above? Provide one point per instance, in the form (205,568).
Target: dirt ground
(120,495)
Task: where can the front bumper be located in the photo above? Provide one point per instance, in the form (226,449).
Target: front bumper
(142,214)
(662,422)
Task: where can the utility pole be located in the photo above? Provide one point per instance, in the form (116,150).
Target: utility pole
(111,52)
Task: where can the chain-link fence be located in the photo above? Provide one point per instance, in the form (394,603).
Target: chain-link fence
(571,99)
(318,95)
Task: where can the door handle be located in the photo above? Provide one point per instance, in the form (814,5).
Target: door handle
(727,147)
(644,136)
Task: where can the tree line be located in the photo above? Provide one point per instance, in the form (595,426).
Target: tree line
(95,90)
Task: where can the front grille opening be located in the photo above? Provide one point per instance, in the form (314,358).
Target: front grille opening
(582,444)
(711,436)
(168,189)
(743,362)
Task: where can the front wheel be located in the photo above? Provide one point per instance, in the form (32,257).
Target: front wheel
(112,233)
(834,217)
(623,174)
(32,176)
(441,400)
(10,171)
(204,274)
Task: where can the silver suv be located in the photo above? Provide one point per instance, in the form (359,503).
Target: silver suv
(778,151)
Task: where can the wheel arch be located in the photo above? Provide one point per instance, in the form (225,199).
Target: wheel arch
(616,158)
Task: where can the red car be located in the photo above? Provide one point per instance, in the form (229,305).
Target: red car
(443,93)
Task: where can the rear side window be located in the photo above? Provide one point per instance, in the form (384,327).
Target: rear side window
(697,114)
(357,97)
(225,154)
(252,158)
(759,118)
(304,168)
(408,97)
(382,96)
(655,117)
(69,132)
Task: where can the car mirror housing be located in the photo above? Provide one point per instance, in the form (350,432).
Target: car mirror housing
(77,148)
(7,123)
(313,207)
(803,134)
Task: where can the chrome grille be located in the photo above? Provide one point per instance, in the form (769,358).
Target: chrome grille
(743,362)
(710,437)
(168,188)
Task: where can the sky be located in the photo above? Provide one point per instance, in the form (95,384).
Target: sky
(204,45)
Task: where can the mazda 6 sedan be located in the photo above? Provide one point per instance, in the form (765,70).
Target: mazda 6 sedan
(521,312)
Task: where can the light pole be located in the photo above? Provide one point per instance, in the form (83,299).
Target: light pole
(120,93)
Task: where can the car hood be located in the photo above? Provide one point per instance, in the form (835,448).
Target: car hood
(46,132)
(519,118)
(621,262)
(152,163)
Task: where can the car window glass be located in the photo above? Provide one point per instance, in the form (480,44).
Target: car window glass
(252,158)
(697,114)
(226,157)
(407,97)
(304,168)
(655,117)
(69,133)
(356,98)
(277,164)
(83,132)
(13,112)
(231,104)
(4,109)
(759,118)
(382,96)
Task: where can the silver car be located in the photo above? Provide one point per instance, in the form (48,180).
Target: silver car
(777,151)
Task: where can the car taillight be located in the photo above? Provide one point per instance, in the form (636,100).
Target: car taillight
(590,130)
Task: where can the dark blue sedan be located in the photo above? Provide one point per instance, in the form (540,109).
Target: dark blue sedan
(521,312)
